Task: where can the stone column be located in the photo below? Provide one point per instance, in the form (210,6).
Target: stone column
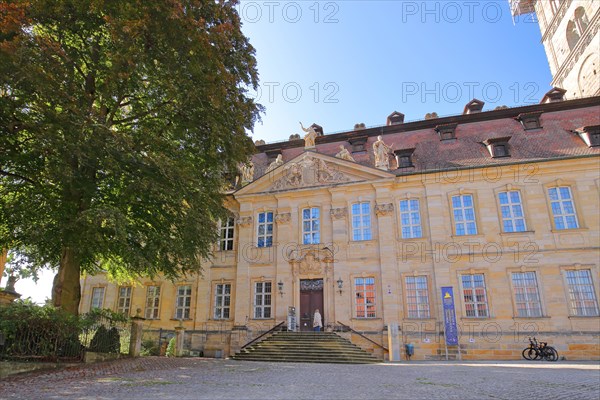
(179,334)
(135,341)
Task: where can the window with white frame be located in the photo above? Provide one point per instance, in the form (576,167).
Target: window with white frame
(226,237)
(311,227)
(474,295)
(563,208)
(183,302)
(265,229)
(527,297)
(364,289)
(582,297)
(464,215)
(511,208)
(417,297)
(152,302)
(97,297)
(124,300)
(262,300)
(361,221)
(410,219)
(222,300)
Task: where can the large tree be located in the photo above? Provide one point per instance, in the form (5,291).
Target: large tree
(118,123)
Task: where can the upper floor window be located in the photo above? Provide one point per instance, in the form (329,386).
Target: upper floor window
(361,221)
(527,297)
(226,238)
(262,300)
(152,302)
(183,302)
(582,297)
(365,297)
(410,219)
(417,297)
(124,300)
(222,300)
(474,295)
(563,208)
(513,219)
(311,226)
(265,229)
(464,215)
(97,297)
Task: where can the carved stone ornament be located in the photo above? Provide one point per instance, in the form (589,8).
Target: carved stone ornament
(339,213)
(311,285)
(283,218)
(311,265)
(309,171)
(384,209)
(244,221)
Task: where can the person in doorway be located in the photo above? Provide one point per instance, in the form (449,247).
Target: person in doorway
(317,322)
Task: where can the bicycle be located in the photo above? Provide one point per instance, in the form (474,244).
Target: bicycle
(539,350)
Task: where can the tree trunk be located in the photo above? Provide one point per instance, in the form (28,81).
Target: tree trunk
(66,288)
(3,257)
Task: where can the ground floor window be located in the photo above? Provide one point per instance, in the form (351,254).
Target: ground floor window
(417,297)
(183,302)
(222,300)
(97,297)
(527,297)
(262,300)
(364,289)
(124,301)
(152,302)
(474,295)
(582,297)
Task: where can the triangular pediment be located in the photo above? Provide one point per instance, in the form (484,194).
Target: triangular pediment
(311,169)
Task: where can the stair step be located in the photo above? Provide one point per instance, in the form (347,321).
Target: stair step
(309,347)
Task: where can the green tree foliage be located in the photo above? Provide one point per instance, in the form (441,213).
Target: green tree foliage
(118,122)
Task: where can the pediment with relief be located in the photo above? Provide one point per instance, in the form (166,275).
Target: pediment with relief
(311,169)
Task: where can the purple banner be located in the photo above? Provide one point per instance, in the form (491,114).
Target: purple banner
(450,329)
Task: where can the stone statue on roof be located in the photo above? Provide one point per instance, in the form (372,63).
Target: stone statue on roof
(278,162)
(309,138)
(382,154)
(344,154)
(246,172)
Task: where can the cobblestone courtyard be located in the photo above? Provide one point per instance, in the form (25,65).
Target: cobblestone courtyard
(197,378)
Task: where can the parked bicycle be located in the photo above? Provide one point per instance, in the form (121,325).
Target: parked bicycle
(539,350)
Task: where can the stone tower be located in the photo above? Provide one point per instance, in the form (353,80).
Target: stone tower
(571,39)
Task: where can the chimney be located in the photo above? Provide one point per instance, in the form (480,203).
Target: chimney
(395,118)
(474,106)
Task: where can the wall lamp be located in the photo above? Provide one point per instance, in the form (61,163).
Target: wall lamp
(340,284)
(280,288)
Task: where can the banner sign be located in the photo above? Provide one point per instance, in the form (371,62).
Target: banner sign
(450,329)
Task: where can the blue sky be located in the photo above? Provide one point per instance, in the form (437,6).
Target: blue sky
(338,63)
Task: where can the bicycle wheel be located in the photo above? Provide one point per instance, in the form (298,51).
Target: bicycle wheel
(551,354)
(529,353)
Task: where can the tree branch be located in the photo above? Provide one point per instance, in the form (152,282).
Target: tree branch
(10,174)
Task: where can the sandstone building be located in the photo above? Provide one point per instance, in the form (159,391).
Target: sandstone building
(502,206)
(571,38)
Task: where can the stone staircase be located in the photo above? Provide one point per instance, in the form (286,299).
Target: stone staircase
(307,347)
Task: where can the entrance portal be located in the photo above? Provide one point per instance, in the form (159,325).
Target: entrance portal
(311,298)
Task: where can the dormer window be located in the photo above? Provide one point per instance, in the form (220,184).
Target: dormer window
(474,106)
(530,120)
(446,132)
(555,94)
(498,147)
(395,118)
(590,135)
(358,143)
(404,158)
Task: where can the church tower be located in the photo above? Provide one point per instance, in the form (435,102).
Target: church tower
(571,39)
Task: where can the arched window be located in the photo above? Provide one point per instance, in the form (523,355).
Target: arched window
(581,20)
(572,35)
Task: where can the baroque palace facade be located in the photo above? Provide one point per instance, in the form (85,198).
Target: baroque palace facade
(368,225)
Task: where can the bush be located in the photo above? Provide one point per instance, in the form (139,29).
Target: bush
(171,348)
(106,340)
(149,348)
(39,331)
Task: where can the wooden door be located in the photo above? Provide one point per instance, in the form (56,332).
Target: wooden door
(311,298)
